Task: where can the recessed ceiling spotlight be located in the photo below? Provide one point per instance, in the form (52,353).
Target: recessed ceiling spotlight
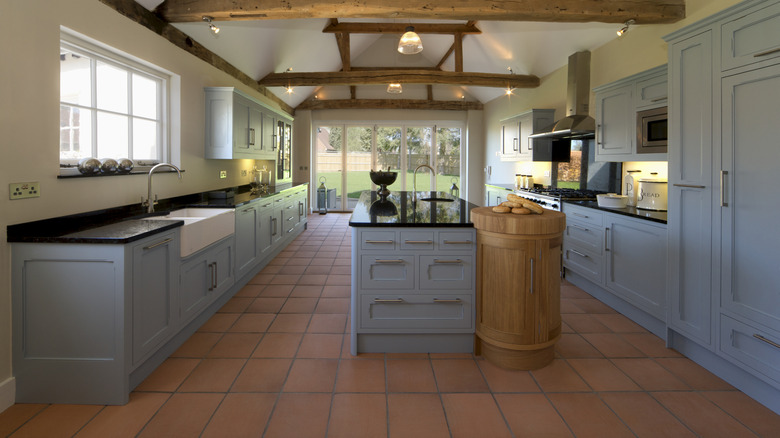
(509,91)
(214,29)
(625,27)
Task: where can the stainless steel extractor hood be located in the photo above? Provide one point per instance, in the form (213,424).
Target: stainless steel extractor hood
(577,124)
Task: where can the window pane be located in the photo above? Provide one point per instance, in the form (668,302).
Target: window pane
(447,158)
(144,97)
(358,162)
(418,148)
(388,148)
(145,137)
(75,132)
(75,78)
(112,136)
(111,88)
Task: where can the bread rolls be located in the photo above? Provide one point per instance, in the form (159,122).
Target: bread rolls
(521,210)
(533,206)
(501,209)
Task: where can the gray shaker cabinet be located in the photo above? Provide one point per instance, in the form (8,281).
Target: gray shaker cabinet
(204,277)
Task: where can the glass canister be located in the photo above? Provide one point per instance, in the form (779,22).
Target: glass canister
(518,181)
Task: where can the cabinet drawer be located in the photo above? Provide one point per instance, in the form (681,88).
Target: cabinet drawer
(387,271)
(751,347)
(448,272)
(456,241)
(584,262)
(415,313)
(417,240)
(751,38)
(583,214)
(382,240)
(585,235)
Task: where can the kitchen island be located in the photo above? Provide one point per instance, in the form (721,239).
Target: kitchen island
(413,282)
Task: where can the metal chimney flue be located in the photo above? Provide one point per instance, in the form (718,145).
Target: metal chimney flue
(578,84)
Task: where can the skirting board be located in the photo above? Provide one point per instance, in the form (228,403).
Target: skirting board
(7,393)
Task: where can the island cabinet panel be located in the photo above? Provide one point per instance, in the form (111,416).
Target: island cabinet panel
(410,312)
(446,272)
(390,271)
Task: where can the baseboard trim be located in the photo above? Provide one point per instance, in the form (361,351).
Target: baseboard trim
(7,393)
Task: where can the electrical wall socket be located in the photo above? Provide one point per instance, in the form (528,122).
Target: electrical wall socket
(24,190)
(243,172)
(222,174)
(547,173)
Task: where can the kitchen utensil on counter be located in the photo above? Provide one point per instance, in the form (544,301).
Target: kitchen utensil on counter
(89,166)
(383,179)
(124,165)
(629,186)
(652,194)
(108,166)
(612,200)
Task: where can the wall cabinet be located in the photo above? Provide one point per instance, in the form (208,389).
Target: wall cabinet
(515,144)
(238,126)
(616,106)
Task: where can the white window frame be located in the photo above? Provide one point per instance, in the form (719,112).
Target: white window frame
(168,106)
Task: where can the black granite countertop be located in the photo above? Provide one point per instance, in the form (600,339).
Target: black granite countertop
(124,224)
(508,187)
(400,210)
(654,216)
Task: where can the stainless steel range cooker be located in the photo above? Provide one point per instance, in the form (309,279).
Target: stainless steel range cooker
(551,198)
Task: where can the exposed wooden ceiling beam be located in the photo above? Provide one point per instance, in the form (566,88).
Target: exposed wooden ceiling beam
(447,105)
(298,79)
(579,11)
(399,28)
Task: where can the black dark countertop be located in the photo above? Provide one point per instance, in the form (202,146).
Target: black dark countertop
(509,187)
(399,210)
(122,225)
(654,216)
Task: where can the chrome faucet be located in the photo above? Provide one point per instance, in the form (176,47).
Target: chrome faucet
(414,180)
(149,203)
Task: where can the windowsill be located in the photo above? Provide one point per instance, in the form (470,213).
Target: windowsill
(72,172)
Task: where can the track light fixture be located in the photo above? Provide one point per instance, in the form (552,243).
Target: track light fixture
(410,42)
(625,27)
(214,29)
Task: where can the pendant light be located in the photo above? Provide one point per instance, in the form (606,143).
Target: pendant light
(410,42)
(394,89)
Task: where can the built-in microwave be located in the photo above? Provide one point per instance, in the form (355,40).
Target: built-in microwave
(652,131)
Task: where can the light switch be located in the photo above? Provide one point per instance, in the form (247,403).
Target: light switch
(24,190)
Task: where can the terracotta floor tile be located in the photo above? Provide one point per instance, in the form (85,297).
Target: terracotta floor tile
(410,375)
(253,323)
(416,416)
(277,291)
(361,376)
(572,345)
(649,344)
(289,269)
(235,345)
(694,374)
(342,261)
(504,380)
(342,270)
(313,279)
(327,251)
(278,261)
(290,323)
(451,356)
(306,291)
(263,278)
(266,305)
(322,261)
(285,279)
(701,416)
(612,345)
(619,323)
(270,270)
(57,421)
(474,415)
(650,375)
(749,412)
(198,345)
(644,415)
(569,290)
(588,416)
(278,345)
(300,416)
(250,291)
(592,305)
(235,305)
(184,415)
(312,375)
(16,415)
(327,323)
(339,280)
(320,346)
(262,375)
(212,375)
(408,356)
(127,420)
(333,305)
(565,328)
(336,292)
(584,323)
(219,322)
(299,305)
(299,261)
(602,375)
(458,375)
(318,270)
(531,415)
(169,375)
(358,416)
(559,377)
(241,416)
(345,349)
(568,306)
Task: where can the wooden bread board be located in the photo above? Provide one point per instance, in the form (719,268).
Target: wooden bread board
(549,222)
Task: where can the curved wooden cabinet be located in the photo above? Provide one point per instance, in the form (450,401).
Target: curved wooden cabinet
(518,287)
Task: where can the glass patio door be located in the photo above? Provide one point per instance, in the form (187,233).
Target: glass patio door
(359,163)
(328,148)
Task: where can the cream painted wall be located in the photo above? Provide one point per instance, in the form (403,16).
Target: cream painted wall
(29,99)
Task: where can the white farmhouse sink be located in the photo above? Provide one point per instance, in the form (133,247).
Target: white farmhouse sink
(202,226)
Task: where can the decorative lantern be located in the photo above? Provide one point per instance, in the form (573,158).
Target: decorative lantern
(322,196)
(454,191)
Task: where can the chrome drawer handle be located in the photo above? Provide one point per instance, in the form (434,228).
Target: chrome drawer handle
(723,175)
(157,244)
(579,227)
(578,253)
(389,262)
(419,242)
(266,205)
(689,186)
(397,300)
(768,52)
(289,219)
(768,341)
(458,242)
(438,300)
(456,261)
(288,207)
(581,215)
(290,230)
(380,241)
